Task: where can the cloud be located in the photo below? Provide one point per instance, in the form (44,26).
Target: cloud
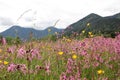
(112,8)
(29,19)
(4,21)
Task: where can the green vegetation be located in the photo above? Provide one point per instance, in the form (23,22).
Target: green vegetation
(81,53)
(106,26)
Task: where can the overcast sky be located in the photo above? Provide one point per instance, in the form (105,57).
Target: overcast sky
(40,14)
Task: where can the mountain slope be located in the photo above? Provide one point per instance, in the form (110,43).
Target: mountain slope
(117,16)
(81,24)
(98,24)
(24,33)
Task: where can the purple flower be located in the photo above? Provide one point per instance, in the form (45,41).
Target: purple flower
(21,52)
(35,53)
(11,68)
(22,68)
(63,76)
(84,52)
(47,68)
(10,49)
(4,41)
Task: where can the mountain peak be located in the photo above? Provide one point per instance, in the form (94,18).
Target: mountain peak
(93,15)
(15,26)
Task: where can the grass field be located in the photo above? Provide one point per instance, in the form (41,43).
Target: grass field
(95,58)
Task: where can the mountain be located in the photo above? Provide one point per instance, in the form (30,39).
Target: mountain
(97,24)
(24,33)
(117,16)
(81,24)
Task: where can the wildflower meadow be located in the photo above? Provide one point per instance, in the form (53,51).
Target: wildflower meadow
(94,58)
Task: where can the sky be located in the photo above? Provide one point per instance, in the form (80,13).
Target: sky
(40,14)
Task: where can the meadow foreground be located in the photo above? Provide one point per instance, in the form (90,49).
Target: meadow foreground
(95,58)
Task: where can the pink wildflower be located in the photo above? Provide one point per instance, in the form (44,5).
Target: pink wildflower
(4,41)
(21,52)
(35,53)
(47,68)
(11,68)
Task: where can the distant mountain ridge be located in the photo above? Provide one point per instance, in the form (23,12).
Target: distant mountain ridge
(24,33)
(104,25)
(98,24)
